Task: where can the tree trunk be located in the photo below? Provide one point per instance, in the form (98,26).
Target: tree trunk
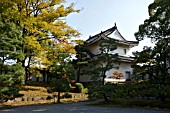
(44,75)
(58,97)
(26,74)
(1,70)
(106,98)
(78,74)
(162,98)
(104,76)
(37,79)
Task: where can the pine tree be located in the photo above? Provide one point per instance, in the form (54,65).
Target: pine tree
(11,71)
(107,59)
(96,66)
(82,57)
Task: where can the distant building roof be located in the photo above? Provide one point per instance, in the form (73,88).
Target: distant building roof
(111,33)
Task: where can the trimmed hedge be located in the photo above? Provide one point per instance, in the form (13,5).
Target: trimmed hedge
(7,93)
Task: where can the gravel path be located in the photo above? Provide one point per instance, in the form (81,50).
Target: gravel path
(79,107)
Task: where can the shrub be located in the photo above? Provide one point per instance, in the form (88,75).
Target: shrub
(85,91)
(49,91)
(79,87)
(94,92)
(49,98)
(60,85)
(141,90)
(9,92)
(67,95)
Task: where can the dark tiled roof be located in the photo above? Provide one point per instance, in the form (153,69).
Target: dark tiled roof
(106,33)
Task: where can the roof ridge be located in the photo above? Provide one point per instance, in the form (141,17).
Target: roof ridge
(112,29)
(106,33)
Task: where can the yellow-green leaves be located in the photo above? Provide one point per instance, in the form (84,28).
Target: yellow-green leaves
(43,28)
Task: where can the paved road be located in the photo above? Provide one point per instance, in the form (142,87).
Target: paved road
(75,108)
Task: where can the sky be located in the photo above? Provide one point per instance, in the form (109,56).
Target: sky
(99,15)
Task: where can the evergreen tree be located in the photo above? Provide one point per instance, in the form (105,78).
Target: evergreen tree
(97,65)
(157,28)
(11,70)
(107,59)
(144,64)
(82,57)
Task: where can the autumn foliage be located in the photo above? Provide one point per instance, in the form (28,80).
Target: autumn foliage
(117,74)
(43,29)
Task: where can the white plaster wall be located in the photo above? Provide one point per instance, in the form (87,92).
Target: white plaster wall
(120,50)
(94,48)
(115,35)
(123,67)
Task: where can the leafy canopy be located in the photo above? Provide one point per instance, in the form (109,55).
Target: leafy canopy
(40,22)
(157,28)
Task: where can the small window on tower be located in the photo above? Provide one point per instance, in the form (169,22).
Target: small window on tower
(125,51)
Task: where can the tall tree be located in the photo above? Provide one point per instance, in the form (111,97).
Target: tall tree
(38,21)
(11,71)
(61,68)
(99,64)
(82,55)
(157,28)
(144,64)
(107,59)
